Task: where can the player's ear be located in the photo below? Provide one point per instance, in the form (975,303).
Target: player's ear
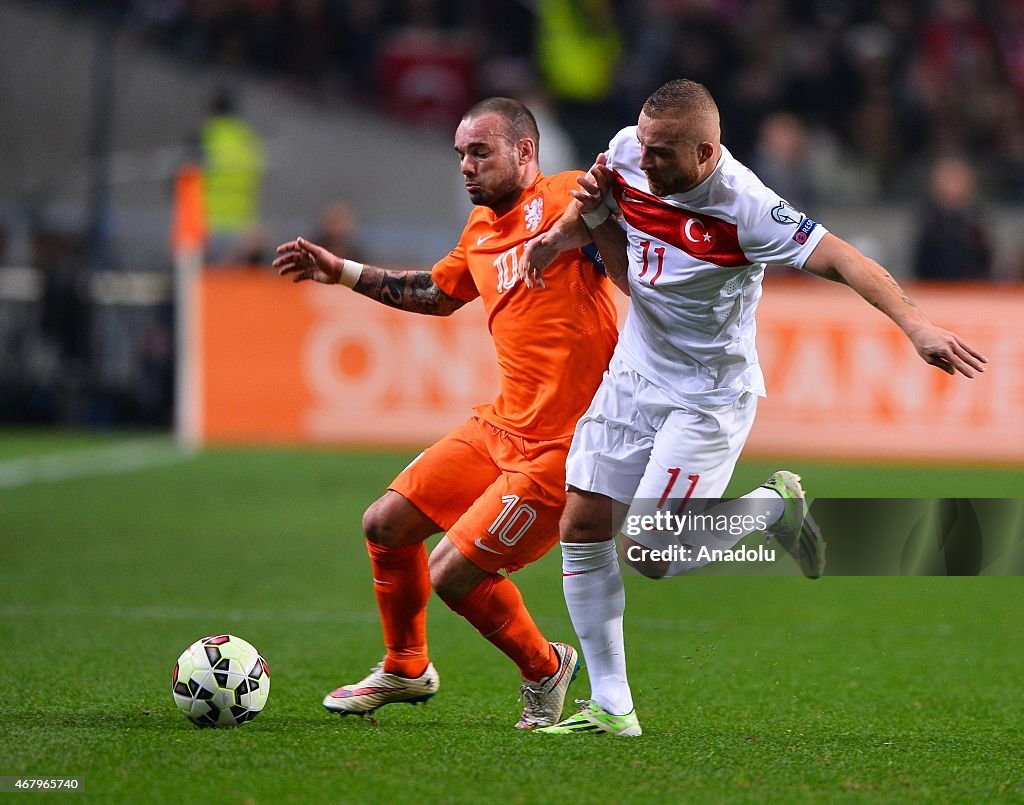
(705,151)
(527,151)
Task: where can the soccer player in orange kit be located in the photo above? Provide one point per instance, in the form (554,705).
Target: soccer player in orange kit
(496,484)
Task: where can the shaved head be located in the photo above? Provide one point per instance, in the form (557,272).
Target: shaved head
(517,119)
(680,137)
(691,105)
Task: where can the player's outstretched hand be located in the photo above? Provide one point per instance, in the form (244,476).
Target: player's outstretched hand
(595,185)
(948,351)
(308,261)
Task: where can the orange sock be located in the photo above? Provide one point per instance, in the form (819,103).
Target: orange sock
(495,607)
(402,584)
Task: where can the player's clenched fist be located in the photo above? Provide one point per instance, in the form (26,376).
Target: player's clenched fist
(595,185)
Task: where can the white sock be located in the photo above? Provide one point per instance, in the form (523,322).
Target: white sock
(774,504)
(770,504)
(596,600)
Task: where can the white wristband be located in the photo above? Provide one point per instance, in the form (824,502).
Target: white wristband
(350,271)
(595,218)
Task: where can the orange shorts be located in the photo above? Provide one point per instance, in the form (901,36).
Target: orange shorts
(498,496)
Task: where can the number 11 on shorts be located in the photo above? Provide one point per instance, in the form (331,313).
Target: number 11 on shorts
(673,476)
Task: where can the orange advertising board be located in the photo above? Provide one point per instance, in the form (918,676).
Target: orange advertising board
(284,363)
(843,380)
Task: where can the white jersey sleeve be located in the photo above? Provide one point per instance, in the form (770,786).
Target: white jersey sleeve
(771,230)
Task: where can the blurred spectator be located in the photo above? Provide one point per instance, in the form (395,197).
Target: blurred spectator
(781,160)
(426,65)
(1009,163)
(67,322)
(310,35)
(820,81)
(338,230)
(252,248)
(648,30)
(155,386)
(1009,26)
(890,84)
(956,41)
(578,48)
(359,42)
(953,242)
(961,79)
(233,165)
(556,151)
(702,48)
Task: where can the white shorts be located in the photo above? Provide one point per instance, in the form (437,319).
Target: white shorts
(636,442)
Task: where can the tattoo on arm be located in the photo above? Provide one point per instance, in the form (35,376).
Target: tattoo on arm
(896,286)
(414,291)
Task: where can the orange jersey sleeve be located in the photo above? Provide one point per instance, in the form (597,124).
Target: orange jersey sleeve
(553,344)
(453,277)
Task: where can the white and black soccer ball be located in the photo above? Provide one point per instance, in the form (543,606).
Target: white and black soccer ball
(220,681)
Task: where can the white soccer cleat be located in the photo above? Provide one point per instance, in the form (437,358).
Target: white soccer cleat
(796,530)
(543,700)
(381,688)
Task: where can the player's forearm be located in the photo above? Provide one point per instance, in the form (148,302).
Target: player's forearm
(834,258)
(837,260)
(879,289)
(414,291)
(569,231)
(611,241)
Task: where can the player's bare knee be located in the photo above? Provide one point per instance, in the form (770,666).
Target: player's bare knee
(587,517)
(577,526)
(440,577)
(452,576)
(379,526)
(444,579)
(392,521)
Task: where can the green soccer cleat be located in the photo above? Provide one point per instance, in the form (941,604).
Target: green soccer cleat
(596,720)
(542,701)
(796,530)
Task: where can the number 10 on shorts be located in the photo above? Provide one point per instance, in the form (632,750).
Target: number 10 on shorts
(514,520)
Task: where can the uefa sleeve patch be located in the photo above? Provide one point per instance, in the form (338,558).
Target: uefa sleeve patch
(804,230)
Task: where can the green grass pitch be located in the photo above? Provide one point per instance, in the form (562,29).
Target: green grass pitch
(749,689)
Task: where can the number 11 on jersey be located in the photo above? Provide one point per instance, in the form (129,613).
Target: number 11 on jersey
(659,252)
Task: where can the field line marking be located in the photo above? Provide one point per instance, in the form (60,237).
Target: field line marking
(131,456)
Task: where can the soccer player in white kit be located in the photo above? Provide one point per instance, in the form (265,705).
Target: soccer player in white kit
(692,231)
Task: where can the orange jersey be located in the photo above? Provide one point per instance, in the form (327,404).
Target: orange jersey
(553,343)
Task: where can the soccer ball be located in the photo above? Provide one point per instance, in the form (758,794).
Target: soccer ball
(220,681)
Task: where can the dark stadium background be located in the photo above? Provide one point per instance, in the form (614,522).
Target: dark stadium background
(843,107)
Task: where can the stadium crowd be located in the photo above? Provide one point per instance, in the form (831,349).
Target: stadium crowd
(913,104)
(856,98)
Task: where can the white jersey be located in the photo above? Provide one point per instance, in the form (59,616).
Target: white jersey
(696,261)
